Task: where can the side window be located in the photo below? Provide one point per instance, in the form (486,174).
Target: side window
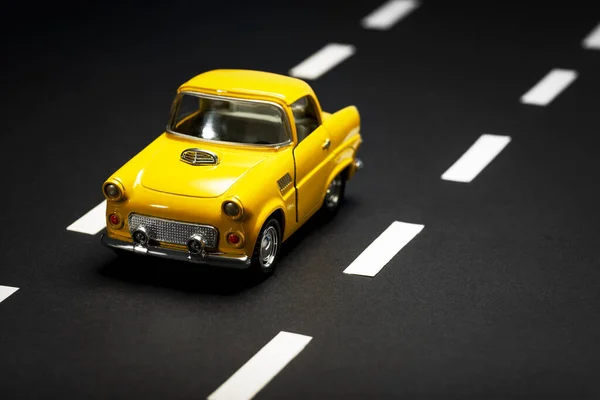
(305,117)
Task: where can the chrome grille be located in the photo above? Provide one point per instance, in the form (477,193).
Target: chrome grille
(175,232)
(198,157)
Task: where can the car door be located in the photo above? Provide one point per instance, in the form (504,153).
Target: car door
(311,158)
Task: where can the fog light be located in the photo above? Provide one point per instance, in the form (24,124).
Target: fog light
(196,244)
(114,219)
(140,236)
(233,238)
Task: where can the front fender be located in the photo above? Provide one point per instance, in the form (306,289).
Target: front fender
(264,214)
(260,195)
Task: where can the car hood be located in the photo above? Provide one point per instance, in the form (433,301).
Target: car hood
(167,173)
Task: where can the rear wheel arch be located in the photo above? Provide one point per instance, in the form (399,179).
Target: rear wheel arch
(343,169)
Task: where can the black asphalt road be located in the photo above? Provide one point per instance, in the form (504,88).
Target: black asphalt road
(498,296)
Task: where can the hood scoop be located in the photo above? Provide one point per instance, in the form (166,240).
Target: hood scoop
(199,157)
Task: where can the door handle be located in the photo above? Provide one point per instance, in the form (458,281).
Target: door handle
(326,144)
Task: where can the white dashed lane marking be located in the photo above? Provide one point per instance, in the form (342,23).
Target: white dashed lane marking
(549,87)
(383,249)
(92,222)
(322,61)
(262,368)
(592,41)
(388,14)
(479,155)
(6,291)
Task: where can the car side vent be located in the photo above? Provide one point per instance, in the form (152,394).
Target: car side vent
(284,182)
(199,157)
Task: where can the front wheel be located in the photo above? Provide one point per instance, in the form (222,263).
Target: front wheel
(267,248)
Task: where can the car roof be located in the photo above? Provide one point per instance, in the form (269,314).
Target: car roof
(249,82)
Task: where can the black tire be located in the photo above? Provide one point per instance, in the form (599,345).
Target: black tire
(264,262)
(334,196)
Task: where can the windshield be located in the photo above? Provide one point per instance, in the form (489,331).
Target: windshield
(228,120)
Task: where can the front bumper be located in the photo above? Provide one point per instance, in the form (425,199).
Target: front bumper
(217,260)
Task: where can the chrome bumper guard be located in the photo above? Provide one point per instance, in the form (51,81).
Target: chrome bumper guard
(358,164)
(355,167)
(217,260)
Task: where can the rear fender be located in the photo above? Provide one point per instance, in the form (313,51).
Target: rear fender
(344,130)
(343,126)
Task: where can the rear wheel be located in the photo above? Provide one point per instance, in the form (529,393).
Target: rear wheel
(267,248)
(334,195)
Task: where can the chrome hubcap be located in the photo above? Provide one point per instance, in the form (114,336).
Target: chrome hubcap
(334,191)
(268,247)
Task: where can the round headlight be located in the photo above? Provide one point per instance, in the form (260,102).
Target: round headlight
(231,209)
(113,191)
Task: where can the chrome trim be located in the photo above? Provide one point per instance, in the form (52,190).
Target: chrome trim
(214,259)
(284,182)
(171,231)
(196,156)
(287,125)
(358,164)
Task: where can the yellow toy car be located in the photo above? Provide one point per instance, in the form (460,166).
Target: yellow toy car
(246,159)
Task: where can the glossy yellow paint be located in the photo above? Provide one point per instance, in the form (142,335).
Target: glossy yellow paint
(249,84)
(157,183)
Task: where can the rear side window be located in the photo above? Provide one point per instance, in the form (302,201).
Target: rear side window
(305,117)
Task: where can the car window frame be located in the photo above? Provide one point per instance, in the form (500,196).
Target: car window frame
(175,110)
